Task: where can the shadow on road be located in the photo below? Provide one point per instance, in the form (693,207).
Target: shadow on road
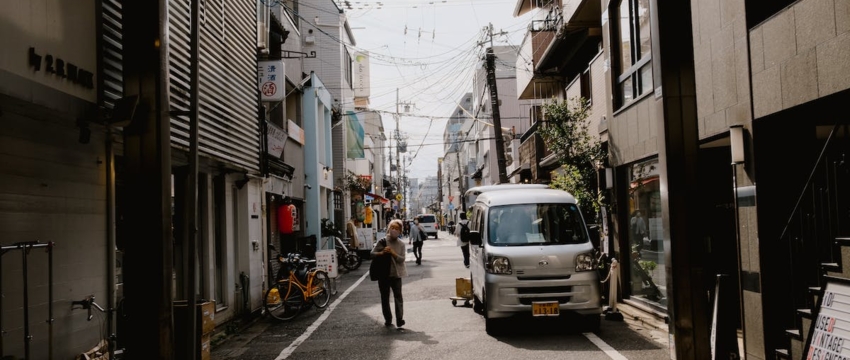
(407,334)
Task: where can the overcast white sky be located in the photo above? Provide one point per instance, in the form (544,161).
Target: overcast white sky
(428,50)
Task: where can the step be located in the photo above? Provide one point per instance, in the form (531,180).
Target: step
(794,334)
(806,313)
(782,354)
(830,266)
(842,241)
(817,290)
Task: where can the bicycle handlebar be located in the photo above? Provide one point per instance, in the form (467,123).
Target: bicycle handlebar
(87,304)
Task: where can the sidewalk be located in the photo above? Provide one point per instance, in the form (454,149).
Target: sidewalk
(236,333)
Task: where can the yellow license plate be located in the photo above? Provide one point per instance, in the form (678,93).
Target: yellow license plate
(545,308)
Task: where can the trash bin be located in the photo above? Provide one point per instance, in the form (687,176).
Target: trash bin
(205,326)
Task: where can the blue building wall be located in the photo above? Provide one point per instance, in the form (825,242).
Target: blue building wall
(317,108)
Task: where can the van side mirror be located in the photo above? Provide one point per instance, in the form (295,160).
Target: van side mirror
(595,232)
(475,238)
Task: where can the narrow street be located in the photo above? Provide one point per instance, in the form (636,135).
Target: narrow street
(352,327)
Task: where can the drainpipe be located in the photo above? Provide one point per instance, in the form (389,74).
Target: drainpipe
(110,241)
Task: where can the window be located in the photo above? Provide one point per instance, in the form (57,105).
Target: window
(586,89)
(348,72)
(290,9)
(634,76)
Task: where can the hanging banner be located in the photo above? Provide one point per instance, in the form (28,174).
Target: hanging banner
(354,137)
(361,75)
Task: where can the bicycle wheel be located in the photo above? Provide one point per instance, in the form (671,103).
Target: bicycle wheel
(321,289)
(288,302)
(352,261)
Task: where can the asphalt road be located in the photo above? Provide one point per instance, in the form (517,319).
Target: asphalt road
(353,327)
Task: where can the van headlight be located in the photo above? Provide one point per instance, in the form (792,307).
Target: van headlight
(499,265)
(584,262)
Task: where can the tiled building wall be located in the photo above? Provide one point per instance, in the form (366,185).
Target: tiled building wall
(799,55)
(721,69)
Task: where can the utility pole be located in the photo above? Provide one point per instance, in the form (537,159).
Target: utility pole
(397,145)
(399,173)
(460,182)
(494,102)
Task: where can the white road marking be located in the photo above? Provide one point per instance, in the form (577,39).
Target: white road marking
(607,349)
(291,348)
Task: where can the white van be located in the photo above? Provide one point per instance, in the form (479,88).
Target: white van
(429,223)
(531,255)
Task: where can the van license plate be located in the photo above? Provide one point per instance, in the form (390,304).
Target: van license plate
(549,308)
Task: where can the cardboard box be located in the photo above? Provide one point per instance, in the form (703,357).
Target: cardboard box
(206,347)
(463,287)
(206,315)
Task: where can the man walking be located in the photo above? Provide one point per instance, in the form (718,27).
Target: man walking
(417,235)
(461,231)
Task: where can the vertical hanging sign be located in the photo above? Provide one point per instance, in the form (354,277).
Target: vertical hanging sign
(271,80)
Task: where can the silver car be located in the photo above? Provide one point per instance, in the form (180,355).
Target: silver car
(531,255)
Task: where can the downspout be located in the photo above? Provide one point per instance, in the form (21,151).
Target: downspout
(110,241)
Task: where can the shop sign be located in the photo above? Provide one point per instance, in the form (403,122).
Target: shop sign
(295,132)
(832,326)
(276,138)
(326,260)
(62,69)
(272,80)
(275,185)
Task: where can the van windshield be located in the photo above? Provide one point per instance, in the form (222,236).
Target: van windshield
(536,224)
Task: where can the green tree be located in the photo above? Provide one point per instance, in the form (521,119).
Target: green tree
(565,130)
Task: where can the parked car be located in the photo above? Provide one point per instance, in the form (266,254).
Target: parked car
(531,254)
(429,223)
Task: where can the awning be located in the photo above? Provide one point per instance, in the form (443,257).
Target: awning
(378,197)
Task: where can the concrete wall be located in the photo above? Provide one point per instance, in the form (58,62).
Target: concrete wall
(64,30)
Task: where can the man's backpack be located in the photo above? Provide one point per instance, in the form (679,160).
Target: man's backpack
(464,232)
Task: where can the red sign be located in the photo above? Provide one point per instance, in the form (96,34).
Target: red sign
(269,89)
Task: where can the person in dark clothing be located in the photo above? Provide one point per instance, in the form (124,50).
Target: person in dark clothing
(394,248)
(464,245)
(417,236)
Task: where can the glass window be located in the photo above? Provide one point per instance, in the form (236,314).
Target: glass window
(625,37)
(645,79)
(536,224)
(646,235)
(635,50)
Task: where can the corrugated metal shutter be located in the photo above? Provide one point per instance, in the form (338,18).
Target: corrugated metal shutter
(228,74)
(113,68)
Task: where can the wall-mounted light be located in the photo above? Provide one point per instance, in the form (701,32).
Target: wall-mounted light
(736,143)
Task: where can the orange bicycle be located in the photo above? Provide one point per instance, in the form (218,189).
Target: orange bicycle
(298,286)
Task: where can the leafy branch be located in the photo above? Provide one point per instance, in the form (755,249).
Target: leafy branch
(356,183)
(565,130)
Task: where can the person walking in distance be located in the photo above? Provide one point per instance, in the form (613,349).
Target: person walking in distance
(461,231)
(394,248)
(417,235)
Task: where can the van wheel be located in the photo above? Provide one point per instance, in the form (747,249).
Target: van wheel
(477,306)
(494,327)
(593,322)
